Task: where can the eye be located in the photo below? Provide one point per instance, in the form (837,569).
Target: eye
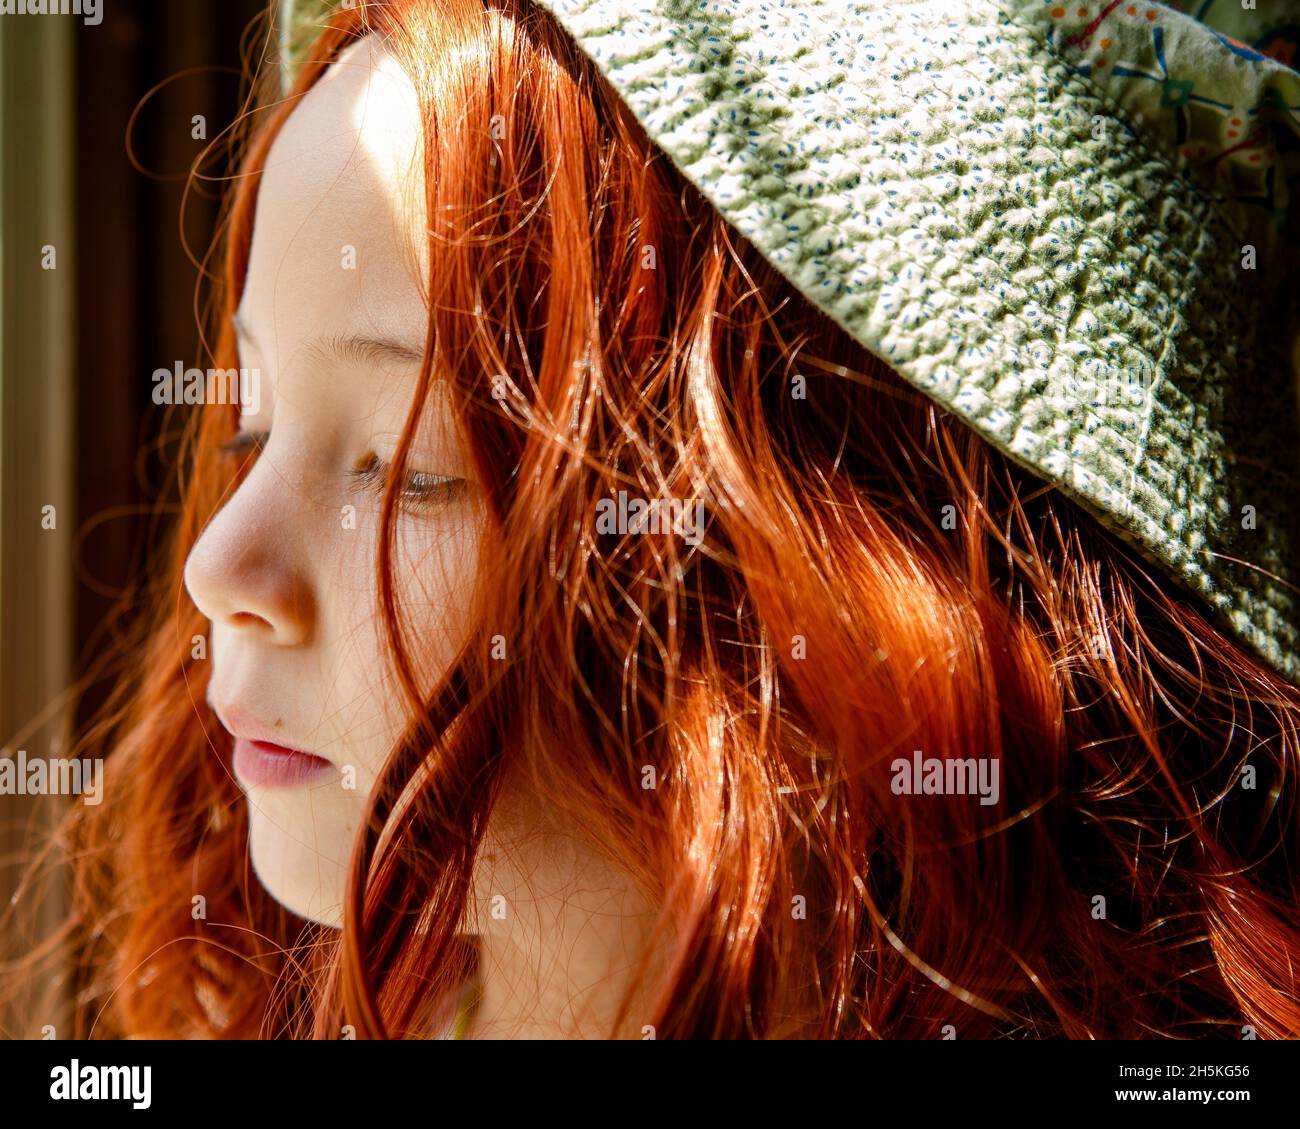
(419,488)
(239,446)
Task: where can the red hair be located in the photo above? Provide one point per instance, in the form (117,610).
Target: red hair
(721,719)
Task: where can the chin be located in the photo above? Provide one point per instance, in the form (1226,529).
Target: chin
(294,872)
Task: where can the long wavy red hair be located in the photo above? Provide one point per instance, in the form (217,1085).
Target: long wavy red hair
(874,579)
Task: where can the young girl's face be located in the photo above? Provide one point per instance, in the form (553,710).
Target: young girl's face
(333,320)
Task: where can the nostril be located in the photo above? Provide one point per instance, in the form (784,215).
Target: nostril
(247,619)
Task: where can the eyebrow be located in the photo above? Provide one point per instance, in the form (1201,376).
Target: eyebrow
(353,346)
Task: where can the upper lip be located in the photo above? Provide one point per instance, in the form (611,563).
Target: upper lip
(249,728)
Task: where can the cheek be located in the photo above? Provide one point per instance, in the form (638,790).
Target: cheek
(434,568)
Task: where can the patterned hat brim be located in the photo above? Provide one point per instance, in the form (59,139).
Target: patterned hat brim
(943,180)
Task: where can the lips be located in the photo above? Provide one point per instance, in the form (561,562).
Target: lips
(260,762)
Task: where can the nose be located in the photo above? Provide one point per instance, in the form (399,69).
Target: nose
(248,569)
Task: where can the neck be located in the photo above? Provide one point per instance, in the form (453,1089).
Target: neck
(561,935)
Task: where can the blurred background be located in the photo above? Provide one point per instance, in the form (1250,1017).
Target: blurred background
(100,251)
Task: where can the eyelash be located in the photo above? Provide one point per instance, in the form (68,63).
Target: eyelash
(420,487)
(372,473)
(241,444)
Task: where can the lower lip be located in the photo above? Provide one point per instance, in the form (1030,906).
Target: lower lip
(261,764)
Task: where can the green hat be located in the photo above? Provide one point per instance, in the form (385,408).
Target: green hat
(1071,225)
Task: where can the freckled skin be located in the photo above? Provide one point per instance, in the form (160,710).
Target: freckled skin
(287,578)
(287,582)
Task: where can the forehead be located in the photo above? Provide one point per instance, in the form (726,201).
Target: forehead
(338,231)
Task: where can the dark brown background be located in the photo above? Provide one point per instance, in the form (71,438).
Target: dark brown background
(136,283)
(78,347)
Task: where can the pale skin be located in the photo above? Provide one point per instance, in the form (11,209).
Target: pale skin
(287,578)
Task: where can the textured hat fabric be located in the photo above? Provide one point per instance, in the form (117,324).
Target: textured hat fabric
(1072,226)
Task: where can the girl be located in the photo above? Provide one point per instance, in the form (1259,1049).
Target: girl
(904,744)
